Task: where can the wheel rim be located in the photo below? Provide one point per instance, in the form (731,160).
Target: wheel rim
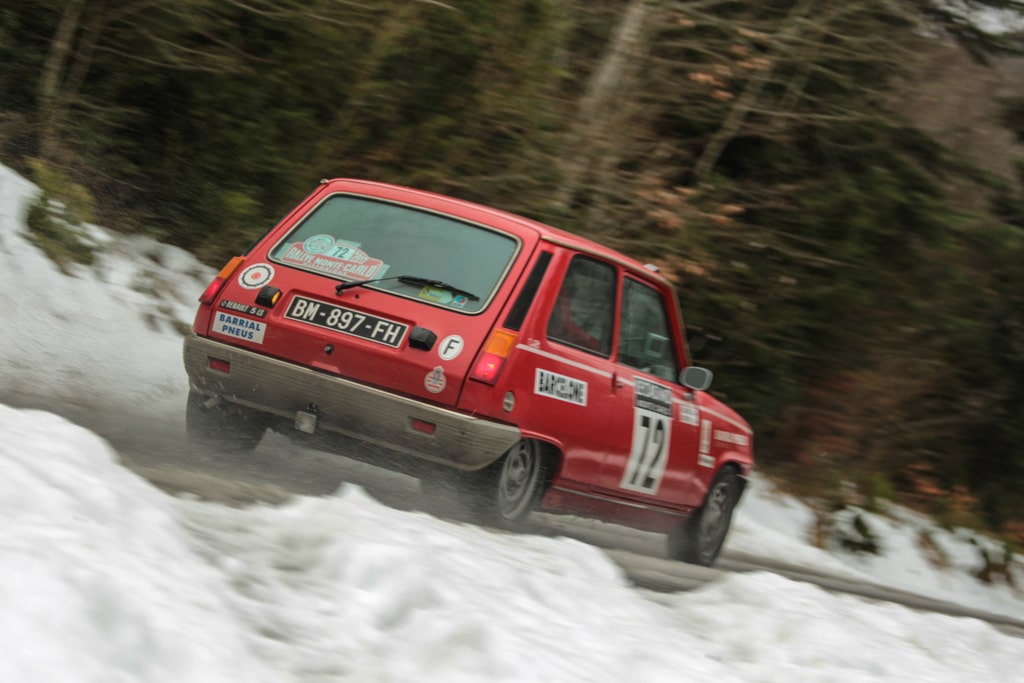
(714,521)
(518,480)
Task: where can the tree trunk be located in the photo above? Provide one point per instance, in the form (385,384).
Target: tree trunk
(51,101)
(589,151)
(748,98)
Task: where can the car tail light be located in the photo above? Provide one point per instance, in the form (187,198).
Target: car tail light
(492,358)
(218,282)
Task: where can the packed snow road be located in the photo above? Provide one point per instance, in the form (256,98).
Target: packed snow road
(279,469)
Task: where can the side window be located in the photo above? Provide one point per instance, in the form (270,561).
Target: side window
(645,339)
(583,311)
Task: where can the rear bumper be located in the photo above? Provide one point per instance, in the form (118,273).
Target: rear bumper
(344,407)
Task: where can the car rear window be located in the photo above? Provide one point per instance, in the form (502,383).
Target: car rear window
(351,238)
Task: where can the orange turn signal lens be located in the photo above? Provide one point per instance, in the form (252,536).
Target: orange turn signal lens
(214,287)
(500,343)
(488,366)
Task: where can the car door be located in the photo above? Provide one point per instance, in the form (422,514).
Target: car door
(567,362)
(656,420)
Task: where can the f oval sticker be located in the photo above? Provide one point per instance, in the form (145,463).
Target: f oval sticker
(450,347)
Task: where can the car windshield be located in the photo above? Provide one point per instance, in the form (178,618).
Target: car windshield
(356,239)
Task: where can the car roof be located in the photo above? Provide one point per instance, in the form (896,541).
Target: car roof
(480,213)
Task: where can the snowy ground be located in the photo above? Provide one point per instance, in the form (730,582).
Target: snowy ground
(105,578)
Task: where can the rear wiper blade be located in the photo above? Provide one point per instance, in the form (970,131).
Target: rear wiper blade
(437,284)
(411,280)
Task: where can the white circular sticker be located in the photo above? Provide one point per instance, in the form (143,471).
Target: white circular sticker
(256,276)
(450,347)
(435,381)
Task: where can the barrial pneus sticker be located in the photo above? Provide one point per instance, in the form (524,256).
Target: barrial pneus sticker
(652,427)
(256,276)
(238,327)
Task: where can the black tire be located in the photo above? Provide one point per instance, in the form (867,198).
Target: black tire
(222,427)
(505,493)
(700,538)
(520,481)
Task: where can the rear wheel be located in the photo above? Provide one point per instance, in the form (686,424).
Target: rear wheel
(212,424)
(520,482)
(700,538)
(505,493)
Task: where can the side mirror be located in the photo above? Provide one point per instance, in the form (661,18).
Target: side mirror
(696,378)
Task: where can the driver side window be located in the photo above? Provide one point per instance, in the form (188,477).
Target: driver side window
(583,312)
(646,341)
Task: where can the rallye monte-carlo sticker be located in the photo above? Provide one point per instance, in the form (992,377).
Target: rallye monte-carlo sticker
(330,256)
(652,427)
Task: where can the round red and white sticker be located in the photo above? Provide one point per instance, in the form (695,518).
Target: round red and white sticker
(435,380)
(256,276)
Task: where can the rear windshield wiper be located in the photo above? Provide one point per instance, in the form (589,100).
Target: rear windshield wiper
(411,280)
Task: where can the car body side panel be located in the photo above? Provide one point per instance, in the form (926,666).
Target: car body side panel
(561,394)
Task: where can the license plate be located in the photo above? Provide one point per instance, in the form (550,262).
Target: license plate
(347,321)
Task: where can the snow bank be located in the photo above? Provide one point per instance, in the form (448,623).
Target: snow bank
(97,579)
(106,334)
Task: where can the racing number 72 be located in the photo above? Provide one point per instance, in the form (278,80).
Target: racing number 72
(647,459)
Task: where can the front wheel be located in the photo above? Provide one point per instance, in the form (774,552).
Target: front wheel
(700,538)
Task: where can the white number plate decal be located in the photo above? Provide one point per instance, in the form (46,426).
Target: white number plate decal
(341,319)
(652,427)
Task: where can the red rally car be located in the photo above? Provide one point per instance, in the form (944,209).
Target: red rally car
(534,368)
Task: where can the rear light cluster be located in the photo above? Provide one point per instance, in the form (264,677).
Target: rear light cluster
(492,358)
(226,272)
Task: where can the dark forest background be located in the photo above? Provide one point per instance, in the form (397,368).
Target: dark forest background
(834,185)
